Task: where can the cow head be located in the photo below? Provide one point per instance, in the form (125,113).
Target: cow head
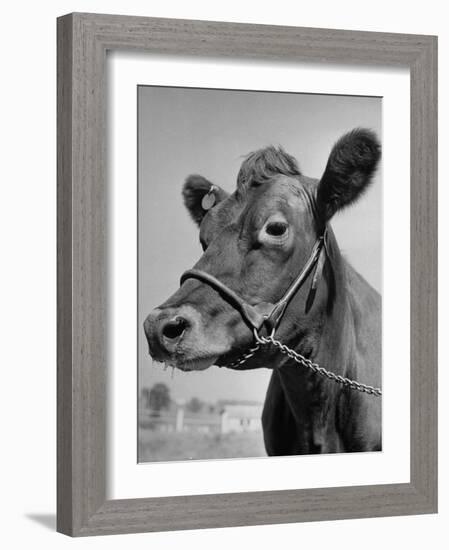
(255,241)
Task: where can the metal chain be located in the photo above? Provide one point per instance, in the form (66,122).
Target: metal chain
(243,358)
(303,361)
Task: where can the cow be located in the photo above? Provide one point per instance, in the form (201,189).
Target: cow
(272,290)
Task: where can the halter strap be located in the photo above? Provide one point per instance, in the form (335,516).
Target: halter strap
(264,313)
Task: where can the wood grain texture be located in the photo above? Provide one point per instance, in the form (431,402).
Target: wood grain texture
(83,40)
(64,276)
(423,272)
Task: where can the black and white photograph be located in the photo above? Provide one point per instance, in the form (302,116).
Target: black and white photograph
(259,273)
(220,275)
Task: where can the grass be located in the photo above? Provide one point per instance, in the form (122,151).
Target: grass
(155,446)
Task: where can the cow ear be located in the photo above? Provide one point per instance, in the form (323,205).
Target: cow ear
(200,195)
(349,170)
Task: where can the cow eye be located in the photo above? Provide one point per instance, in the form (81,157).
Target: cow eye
(203,245)
(276,229)
(275,232)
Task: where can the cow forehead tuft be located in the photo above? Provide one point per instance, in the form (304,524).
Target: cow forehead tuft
(262,165)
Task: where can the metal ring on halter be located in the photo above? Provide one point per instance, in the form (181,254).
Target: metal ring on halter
(263,339)
(256,336)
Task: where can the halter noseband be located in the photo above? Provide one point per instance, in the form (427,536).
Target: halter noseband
(264,313)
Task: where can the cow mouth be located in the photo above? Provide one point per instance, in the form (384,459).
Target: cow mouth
(188,365)
(201,358)
(207,359)
(202,363)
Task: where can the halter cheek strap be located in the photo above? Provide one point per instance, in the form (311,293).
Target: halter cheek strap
(264,313)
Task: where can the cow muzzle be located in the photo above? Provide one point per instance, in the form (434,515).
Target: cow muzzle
(176,336)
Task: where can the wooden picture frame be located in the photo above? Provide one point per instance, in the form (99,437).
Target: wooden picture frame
(83,40)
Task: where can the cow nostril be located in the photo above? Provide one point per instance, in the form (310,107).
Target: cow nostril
(175,328)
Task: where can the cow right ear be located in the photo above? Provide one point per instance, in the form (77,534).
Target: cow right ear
(200,195)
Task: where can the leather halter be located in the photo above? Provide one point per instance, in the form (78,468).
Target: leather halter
(264,313)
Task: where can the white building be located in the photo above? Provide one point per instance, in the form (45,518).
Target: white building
(241,417)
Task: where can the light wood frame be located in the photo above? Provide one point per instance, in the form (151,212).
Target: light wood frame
(83,40)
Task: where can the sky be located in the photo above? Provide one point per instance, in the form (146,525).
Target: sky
(186,130)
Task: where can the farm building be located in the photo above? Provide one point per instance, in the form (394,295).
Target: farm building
(223,417)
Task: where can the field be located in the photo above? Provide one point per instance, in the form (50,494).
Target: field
(156,446)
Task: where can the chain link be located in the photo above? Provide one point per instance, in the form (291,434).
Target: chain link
(304,362)
(243,358)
